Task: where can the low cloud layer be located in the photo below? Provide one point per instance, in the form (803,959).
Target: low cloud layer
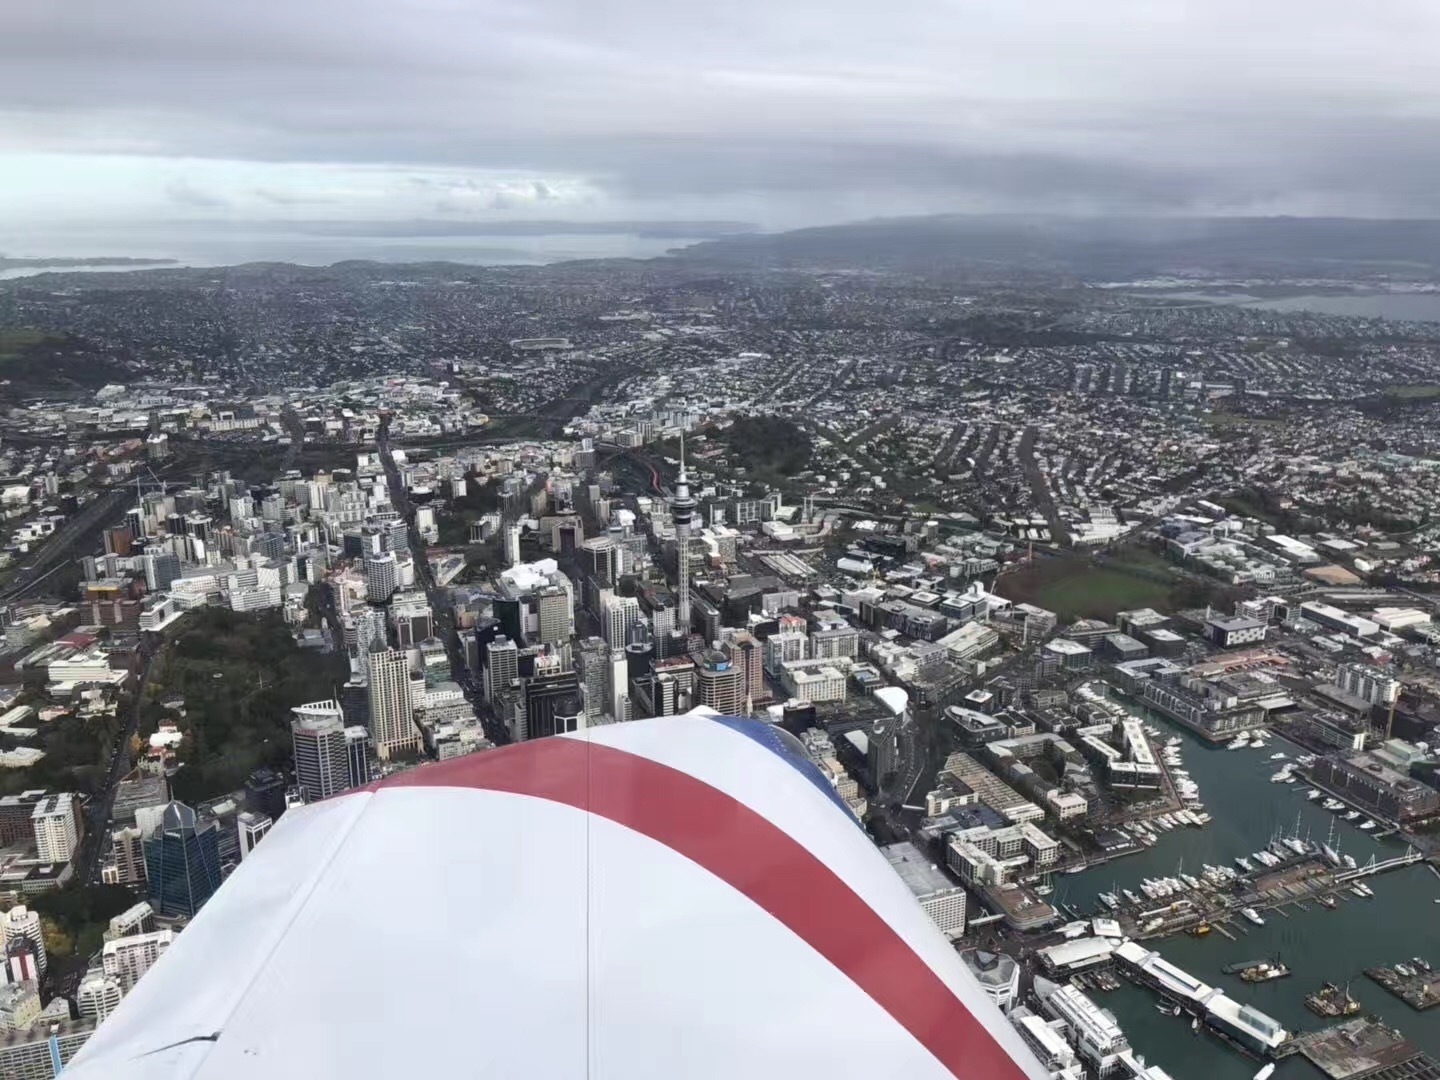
(787,114)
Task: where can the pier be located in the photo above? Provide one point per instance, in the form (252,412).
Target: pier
(1365,1048)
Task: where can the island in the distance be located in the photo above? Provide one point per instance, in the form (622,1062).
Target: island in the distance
(8,263)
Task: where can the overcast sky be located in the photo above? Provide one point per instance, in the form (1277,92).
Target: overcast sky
(781,112)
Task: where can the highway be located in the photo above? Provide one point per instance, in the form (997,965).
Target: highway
(444,612)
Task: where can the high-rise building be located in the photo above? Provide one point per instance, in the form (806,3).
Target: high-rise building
(15,814)
(554,615)
(318,734)
(621,612)
(721,683)
(265,793)
(381,577)
(594,656)
(512,545)
(99,995)
(56,831)
(746,653)
(502,667)
(357,754)
(126,959)
(682,512)
(128,856)
(552,701)
(251,828)
(162,568)
(23,925)
(182,862)
(392,714)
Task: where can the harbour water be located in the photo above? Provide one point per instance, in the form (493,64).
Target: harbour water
(1407,306)
(1319,945)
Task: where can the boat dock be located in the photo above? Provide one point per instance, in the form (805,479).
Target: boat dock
(1365,1048)
(1420,989)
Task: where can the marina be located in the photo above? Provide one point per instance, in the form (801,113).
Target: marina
(1324,931)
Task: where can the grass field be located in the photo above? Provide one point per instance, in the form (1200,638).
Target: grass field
(1080,588)
(1413,391)
(12,341)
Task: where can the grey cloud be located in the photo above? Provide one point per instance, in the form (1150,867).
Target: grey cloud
(183,193)
(805,108)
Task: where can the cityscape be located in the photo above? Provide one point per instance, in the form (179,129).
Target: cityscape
(1107,607)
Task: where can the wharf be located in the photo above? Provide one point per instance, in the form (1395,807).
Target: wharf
(1420,991)
(1365,1049)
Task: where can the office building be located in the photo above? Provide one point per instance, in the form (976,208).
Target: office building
(593,659)
(182,862)
(265,793)
(721,684)
(126,959)
(127,862)
(23,925)
(942,899)
(357,755)
(619,615)
(381,577)
(554,615)
(56,831)
(99,995)
(502,667)
(318,735)
(392,714)
(251,829)
(511,535)
(552,701)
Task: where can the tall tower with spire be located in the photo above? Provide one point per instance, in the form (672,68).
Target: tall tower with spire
(682,512)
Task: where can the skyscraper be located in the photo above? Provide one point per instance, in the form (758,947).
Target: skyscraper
(56,833)
(594,655)
(721,683)
(392,714)
(621,612)
(318,733)
(357,754)
(381,576)
(682,512)
(553,612)
(552,701)
(128,856)
(502,667)
(23,925)
(512,545)
(182,862)
(252,828)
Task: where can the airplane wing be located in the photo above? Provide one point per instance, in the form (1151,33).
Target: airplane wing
(678,897)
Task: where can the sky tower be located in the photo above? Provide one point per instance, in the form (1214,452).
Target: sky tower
(682,511)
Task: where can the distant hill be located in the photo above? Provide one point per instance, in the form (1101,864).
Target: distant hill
(1096,248)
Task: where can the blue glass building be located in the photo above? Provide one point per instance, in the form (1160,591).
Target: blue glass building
(182,860)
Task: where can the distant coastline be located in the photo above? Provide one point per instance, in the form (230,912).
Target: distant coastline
(8,263)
